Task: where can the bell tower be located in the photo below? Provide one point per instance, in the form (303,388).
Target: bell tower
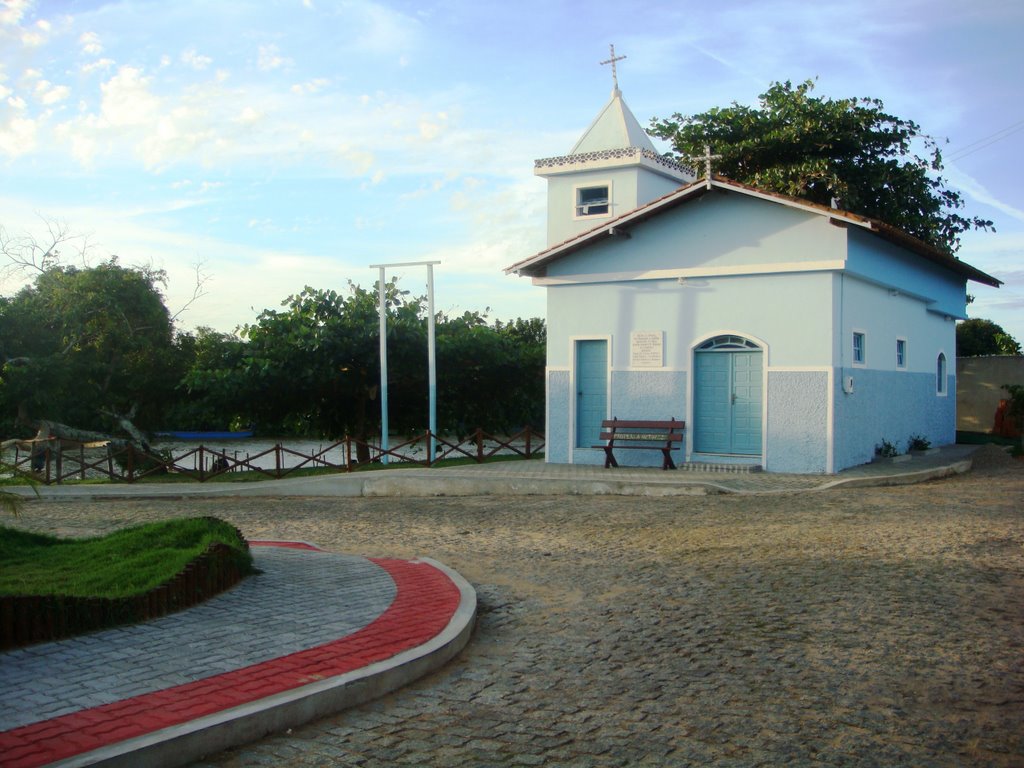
(611,170)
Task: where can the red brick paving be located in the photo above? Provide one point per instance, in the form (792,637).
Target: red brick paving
(425,602)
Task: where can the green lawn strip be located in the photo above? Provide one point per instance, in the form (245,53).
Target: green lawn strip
(125,563)
(982,438)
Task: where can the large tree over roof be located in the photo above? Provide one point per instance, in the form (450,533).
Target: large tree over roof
(848,150)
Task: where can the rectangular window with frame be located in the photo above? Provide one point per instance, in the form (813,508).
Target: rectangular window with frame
(859,348)
(592,201)
(901,353)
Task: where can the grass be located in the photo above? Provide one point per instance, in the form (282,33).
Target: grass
(983,438)
(127,562)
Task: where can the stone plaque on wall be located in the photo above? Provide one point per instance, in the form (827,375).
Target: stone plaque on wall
(647,349)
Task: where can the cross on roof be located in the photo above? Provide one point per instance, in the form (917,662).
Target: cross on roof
(612,60)
(707,157)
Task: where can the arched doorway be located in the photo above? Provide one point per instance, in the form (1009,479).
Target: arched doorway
(727,396)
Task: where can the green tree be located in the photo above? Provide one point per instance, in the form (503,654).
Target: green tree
(86,345)
(314,368)
(977,337)
(213,393)
(489,376)
(849,150)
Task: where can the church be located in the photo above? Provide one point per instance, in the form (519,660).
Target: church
(789,336)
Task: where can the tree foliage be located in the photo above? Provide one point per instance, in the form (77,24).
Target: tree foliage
(313,369)
(82,347)
(81,343)
(849,150)
(977,337)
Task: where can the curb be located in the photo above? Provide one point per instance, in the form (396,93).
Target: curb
(190,740)
(208,735)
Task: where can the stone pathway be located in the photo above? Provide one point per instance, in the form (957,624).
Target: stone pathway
(848,627)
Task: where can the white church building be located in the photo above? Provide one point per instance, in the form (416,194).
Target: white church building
(787,335)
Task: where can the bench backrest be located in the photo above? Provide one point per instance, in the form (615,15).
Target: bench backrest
(640,429)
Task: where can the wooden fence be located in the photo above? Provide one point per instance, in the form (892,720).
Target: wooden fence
(55,461)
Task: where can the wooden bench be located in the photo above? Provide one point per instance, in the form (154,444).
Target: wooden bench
(664,436)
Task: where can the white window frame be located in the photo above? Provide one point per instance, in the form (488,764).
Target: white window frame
(901,365)
(941,374)
(576,200)
(862,363)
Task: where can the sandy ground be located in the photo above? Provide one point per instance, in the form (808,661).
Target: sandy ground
(872,626)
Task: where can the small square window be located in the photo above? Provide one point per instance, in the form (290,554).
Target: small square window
(592,201)
(858,348)
(901,353)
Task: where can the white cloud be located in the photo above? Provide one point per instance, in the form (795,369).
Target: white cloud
(50,94)
(90,43)
(127,99)
(271,59)
(100,65)
(310,86)
(978,192)
(193,59)
(12,11)
(17,136)
(37,34)
(250,115)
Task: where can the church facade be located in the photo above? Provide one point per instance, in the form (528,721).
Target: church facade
(786,335)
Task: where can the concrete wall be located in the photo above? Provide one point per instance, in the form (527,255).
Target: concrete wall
(878,260)
(979,388)
(889,405)
(631,186)
(799,422)
(770,274)
(715,232)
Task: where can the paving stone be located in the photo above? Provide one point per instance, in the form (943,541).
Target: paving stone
(875,626)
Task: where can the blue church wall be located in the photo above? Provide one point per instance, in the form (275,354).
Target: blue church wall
(562,222)
(875,259)
(889,405)
(790,312)
(770,234)
(798,422)
(556,444)
(888,401)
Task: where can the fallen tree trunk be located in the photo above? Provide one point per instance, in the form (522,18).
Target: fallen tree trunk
(47,430)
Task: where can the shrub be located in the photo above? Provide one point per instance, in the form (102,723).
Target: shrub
(886,450)
(918,443)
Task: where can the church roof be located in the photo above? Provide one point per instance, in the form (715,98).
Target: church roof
(536,264)
(614,128)
(615,138)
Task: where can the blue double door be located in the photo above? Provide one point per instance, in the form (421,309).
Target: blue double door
(727,402)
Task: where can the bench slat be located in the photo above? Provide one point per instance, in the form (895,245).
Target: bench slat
(644,424)
(674,436)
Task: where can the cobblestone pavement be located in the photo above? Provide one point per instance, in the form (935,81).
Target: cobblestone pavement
(857,627)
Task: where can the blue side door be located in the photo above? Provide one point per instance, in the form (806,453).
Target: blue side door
(591,391)
(727,403)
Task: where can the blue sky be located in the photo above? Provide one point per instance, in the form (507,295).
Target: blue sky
(284,143)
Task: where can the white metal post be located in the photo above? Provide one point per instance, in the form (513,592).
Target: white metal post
(431,362)
(383,368)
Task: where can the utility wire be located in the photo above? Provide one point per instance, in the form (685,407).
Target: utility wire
(992,138)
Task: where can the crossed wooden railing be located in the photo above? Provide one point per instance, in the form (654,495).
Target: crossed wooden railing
(54,461)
